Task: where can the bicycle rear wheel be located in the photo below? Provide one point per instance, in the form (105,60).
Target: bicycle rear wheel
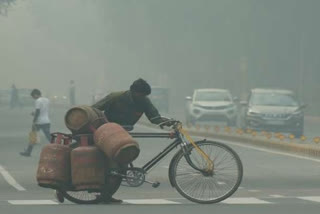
(112,183)
(82,197)
(202,187)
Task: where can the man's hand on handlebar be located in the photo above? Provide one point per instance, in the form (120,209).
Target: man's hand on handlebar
(168,122)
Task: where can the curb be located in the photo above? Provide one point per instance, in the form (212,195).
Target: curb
(305,150)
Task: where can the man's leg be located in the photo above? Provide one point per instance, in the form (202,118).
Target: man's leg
(27,152)
(46,130)
(111,187)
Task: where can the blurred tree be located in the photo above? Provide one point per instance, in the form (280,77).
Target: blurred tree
(4,5)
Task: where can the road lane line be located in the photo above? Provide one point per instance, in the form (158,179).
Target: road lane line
(311,198)
(10,179)
(150,201)
(244,201)
(32,202)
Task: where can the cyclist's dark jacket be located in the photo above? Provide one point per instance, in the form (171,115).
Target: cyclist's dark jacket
(120,108)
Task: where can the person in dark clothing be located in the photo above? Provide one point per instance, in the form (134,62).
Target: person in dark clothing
(14,97)
(126,108)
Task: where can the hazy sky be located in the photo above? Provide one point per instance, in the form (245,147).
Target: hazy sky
(33,55)
(181,44)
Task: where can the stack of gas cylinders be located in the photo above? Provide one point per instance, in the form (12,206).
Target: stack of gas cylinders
(79,161)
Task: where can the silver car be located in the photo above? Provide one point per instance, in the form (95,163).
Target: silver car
(211,105)
(274,110)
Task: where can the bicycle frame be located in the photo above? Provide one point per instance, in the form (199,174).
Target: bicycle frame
(167,150)
(162,154)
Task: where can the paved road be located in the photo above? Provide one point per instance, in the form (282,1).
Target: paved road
(273,182)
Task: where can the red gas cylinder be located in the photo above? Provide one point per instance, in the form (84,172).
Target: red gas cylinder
(84,119)
(116,143)
(87,166)
(54,164)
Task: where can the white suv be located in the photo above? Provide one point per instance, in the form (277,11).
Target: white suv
(211,105)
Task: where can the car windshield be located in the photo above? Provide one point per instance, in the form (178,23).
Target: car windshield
(273,99)
(212,96)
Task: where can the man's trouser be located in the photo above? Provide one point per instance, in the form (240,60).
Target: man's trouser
(113,184)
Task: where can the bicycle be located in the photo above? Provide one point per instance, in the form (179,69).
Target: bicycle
(203,171)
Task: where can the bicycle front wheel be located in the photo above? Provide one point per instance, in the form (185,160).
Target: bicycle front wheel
(202,187)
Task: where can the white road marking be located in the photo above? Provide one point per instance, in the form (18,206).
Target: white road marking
(10,179)
(277,196)
(150,201)
(32,202)
(236,201)
(311,198)
(244,201)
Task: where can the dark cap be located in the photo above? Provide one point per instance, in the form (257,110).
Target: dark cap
(140,86)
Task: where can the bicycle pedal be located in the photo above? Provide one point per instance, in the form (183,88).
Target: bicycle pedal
(156,184)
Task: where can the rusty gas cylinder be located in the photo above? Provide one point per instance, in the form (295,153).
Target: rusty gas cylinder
(116,143)
(87,166)
(54,164)
(84,119)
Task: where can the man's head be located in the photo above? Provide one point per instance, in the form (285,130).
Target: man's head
(35,93)
(140,89)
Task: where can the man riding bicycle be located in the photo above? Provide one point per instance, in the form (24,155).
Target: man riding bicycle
(126,108)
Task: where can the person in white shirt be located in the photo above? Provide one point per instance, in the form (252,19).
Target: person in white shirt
(41,119)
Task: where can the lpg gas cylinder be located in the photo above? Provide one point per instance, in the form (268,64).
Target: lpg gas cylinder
(84,119)
(116,143)
(54,164)
(87,166)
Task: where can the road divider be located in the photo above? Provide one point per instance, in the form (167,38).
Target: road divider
(306,146)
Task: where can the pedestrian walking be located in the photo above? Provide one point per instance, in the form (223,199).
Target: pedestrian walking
(14,97)
(41,119)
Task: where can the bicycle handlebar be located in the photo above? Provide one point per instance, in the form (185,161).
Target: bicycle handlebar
(169,122)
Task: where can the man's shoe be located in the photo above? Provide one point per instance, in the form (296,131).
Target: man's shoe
(26,154)
(59,196)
